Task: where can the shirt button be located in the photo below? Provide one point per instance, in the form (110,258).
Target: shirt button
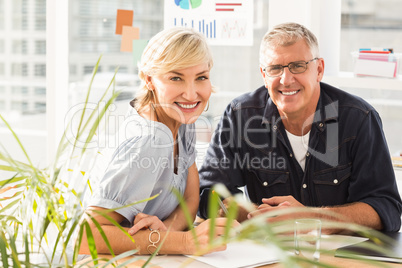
(304,186)
(335,181)
(320,124)
(307,154)
(265,183)
(291,155)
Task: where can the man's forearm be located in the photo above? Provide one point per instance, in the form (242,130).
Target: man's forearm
(358,213)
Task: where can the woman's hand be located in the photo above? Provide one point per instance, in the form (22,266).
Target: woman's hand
(143,221)
(202,232)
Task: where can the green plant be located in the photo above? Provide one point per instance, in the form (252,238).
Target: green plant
(41,207)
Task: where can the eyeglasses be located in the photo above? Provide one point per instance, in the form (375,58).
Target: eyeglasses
(296,67)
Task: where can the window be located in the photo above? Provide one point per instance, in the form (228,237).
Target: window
(88,69)
(20,10)
(40,70)
(19,106)
(40,91)
(2,105)
(86,46)
(40,23)
(18,43)
(40,47)
(40,7)
(19,90)
(40,15)
(122,69)
(40,106)
(19,47)
(19,69)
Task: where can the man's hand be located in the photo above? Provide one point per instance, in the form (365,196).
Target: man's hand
(143,221)
(242,213)
(277,203)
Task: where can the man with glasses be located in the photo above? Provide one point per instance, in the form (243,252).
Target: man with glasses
(299,142)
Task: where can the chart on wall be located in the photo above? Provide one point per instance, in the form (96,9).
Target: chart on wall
(223,22)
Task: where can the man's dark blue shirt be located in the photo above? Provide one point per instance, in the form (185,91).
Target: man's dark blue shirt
(347,158)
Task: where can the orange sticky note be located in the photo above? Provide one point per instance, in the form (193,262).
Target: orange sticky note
(123,18)
(129,34)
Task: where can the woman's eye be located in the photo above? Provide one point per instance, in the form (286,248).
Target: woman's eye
(202,78)
(176,78)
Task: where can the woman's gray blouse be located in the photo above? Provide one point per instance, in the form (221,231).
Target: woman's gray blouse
(142,166)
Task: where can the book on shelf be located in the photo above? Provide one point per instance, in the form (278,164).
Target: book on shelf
(382,62)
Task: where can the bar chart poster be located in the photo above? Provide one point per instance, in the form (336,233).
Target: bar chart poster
(223,22)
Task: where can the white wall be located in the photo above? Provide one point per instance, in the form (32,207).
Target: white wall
(322,17)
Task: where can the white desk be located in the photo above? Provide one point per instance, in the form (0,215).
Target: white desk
(328,242)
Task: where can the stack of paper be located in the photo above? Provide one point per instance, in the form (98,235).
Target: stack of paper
(241,254)
(376,62)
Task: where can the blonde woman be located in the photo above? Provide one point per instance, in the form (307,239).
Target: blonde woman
(156,151)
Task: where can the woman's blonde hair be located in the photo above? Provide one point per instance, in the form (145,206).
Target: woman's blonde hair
(171,49)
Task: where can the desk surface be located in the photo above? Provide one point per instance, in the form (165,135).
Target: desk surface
(174,261)
(328,242)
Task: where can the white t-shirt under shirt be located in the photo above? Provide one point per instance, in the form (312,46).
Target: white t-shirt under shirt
(299,145)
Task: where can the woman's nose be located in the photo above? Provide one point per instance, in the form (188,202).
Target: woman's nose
(190,92)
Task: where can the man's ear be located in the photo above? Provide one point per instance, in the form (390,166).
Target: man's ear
(320,69)
(263,76)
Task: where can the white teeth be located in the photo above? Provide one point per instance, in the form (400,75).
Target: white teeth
(185,106)
(289,93)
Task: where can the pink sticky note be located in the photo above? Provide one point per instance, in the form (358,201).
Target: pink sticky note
(129,34)
(123,18)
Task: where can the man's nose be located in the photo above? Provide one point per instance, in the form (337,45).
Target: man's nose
(287,76)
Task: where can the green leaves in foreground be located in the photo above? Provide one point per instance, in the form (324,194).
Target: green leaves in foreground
(40,210)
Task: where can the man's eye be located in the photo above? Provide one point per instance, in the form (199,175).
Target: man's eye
(275,68)
(299,65)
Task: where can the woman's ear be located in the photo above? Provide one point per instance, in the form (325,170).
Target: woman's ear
(148,80)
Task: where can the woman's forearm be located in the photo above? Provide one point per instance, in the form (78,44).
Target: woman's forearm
(175,242)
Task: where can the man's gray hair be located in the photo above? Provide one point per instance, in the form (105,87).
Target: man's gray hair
(286,34)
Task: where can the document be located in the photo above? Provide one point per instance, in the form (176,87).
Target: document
(393,254)
(240,255)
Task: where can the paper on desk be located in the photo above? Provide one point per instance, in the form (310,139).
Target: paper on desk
(240,255)
(331,242)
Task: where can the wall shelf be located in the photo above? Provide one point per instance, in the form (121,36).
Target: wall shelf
(349,80)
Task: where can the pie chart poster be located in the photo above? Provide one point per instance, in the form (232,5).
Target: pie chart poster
(223,22)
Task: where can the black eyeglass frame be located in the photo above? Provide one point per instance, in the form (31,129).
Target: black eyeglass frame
(290,69)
